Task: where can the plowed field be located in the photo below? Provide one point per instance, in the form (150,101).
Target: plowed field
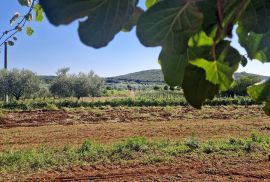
(21,130)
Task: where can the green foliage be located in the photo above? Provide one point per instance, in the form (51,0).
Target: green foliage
(81,85)
(86,146)
(256,44)
(135,150)
(116,93)
(29,31)
(18,21)
(147,76)
(133,20)
(43,92)
(144,100)
(18,83)
(15,106)
(189,32)
(165,28)
(96,84)
(240,86)
(39,13)
(256,17)
(42,99)
(105,18)
(196,88)
(173,66)
(62,85)
(166,87)
(261,93)
(156,88)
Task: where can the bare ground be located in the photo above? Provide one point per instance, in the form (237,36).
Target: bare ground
(109,125)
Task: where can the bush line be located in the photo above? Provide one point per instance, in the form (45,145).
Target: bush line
(140,102)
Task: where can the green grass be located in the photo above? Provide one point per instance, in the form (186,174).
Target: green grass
(142,99)
(132,150)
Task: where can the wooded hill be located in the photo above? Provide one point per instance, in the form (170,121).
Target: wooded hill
(146,76)
(157,76)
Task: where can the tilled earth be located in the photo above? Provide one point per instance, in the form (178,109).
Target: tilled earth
(108,125)
(126,114)
(186,169)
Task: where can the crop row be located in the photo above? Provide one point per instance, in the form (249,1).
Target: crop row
(129,102)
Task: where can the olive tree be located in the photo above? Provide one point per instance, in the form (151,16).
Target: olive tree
(62,84)
(85,85)
(80,85)
(43,92)
(96,84)
(19,83)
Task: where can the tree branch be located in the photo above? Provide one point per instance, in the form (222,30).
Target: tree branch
(21,24)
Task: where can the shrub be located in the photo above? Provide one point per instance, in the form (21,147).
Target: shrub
(86,146)
(39,105)
(15,105)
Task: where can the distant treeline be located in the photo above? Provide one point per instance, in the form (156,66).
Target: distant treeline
(18,84)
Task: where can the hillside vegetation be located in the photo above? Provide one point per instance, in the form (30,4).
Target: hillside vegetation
(156,75)
(146,76)
(141,76)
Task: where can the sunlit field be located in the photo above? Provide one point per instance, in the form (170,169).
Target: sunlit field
(135,90)
(119,137)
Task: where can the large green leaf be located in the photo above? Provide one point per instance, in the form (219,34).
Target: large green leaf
(208,8)
(256,45)
(217,72)
(212,21)
(256,17)
(133,20)
(170,24)
(105,17)
(261,93)
(196,88)
(174,63)
(219,68)
(173,67)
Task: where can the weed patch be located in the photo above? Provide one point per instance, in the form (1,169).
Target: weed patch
(134,149)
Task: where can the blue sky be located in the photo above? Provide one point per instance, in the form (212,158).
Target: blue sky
(51,48)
